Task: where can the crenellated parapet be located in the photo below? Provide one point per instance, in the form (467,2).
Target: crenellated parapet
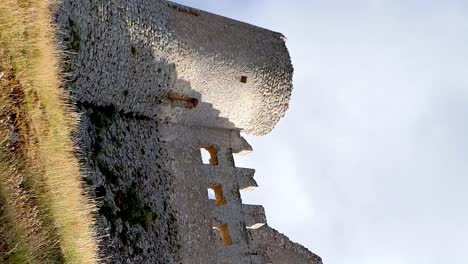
(207,177)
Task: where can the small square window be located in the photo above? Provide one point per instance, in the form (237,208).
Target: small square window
(243,79)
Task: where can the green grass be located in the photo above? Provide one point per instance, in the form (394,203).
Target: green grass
(45,216)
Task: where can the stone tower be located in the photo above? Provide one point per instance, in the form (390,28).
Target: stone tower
(156,83)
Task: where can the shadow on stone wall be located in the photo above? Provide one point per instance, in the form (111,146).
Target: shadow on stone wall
(119,86)
(204,114)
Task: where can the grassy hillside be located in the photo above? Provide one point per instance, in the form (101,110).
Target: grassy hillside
(44,216)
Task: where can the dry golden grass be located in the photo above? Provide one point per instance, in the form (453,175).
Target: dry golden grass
(43,210)
(26,233)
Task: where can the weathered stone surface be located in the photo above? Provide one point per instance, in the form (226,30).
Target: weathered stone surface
(155,82)
(278,249)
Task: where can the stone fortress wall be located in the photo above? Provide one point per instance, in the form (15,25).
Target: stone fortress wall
(156,82)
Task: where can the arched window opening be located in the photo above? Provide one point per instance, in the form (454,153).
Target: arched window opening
(223,231)
(209,155)
(216,193)
(211,194)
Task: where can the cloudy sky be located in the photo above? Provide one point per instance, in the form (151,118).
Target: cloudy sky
(370,164)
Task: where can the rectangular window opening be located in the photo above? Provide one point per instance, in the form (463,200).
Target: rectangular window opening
(183,101)
(243,79)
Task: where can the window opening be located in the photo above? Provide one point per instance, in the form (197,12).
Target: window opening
(209,155)
(183,101)
(211,194)
(224,234)
(216,193)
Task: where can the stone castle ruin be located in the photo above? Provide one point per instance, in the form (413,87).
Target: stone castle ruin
(156,83)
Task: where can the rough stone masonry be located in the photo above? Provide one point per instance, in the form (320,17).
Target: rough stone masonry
(156,83)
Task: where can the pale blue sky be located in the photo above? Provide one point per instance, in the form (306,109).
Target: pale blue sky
(370,164)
